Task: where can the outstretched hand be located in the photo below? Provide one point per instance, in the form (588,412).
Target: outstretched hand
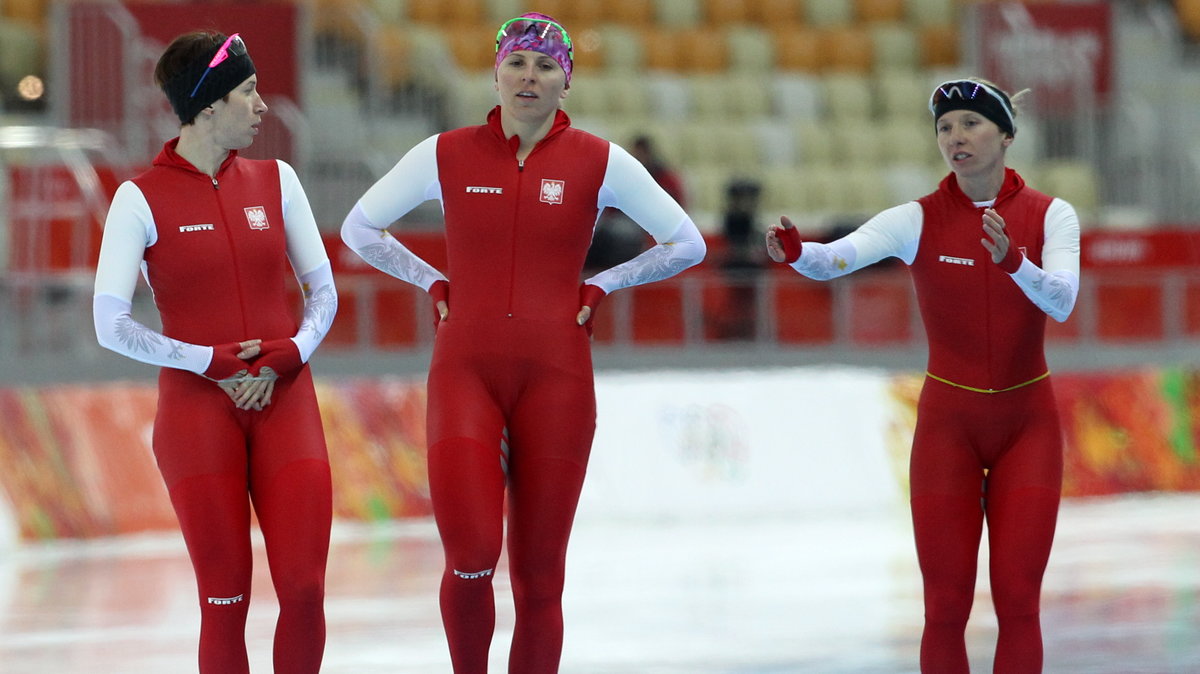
(783,241)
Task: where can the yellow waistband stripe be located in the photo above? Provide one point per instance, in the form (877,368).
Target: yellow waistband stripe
(989,390)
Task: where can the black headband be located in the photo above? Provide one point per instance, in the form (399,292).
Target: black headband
(187,99)
(977,97)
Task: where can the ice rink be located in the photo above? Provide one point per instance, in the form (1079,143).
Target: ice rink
(820,594)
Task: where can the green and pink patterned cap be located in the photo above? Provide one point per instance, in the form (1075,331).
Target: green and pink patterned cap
(536,32)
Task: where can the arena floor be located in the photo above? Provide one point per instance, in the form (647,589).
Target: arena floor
(819,594)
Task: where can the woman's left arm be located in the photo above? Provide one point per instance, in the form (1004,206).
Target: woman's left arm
(1054,286)
(629,187)
(306,252)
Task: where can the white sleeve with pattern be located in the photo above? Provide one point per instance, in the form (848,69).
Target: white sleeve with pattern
(895,232)
(629,187)
(411,182)
(306,251)
(128,231)
(1054,286)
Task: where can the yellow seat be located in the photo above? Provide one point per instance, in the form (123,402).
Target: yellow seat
(848,49)
(798,48)
(703,50)
(775,12)
(723,13)
(1189,18)
(879,11)
(939,45)
(473,45)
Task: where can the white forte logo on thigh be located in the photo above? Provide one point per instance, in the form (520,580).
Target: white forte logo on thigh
(225,601)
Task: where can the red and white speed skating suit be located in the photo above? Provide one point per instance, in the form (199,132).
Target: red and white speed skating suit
(987,407)
(511,368)
(216,253)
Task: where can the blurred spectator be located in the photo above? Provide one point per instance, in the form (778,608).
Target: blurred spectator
(644,150)
(736,316)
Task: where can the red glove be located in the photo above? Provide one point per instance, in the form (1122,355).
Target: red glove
(1012,260)
(225,362)
(590,296)
(439,292)
(281,355)
(789,238)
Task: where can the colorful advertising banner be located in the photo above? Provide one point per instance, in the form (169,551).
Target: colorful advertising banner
(77,460)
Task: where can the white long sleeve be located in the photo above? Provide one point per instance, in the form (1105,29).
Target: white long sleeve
(412,181)
(629,187)
(128,231)
(1054,286)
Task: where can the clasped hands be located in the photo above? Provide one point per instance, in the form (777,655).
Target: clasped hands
(247,371)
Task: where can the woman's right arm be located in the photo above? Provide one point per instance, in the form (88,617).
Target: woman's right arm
(894,232)
(128,231)
(412,181)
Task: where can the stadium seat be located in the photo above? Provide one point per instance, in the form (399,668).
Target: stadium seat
(879,11)
(848,96)
(907,140)
(627,101)
(633,13)
(425,11)
(939,45)
(902,94)
(705,185)
(499,11)
(828,13)
(798,48)
(932,12)
(797,96)
(473,45)
(464,12)
(676,14)
(848,49)
(855,141)
(661,49)
(768,13)
(30,12)
(750,50)
(726,13)
(813,143)
(702,50)
(1189,18)
(622,47)
(895,47)
(392,56)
